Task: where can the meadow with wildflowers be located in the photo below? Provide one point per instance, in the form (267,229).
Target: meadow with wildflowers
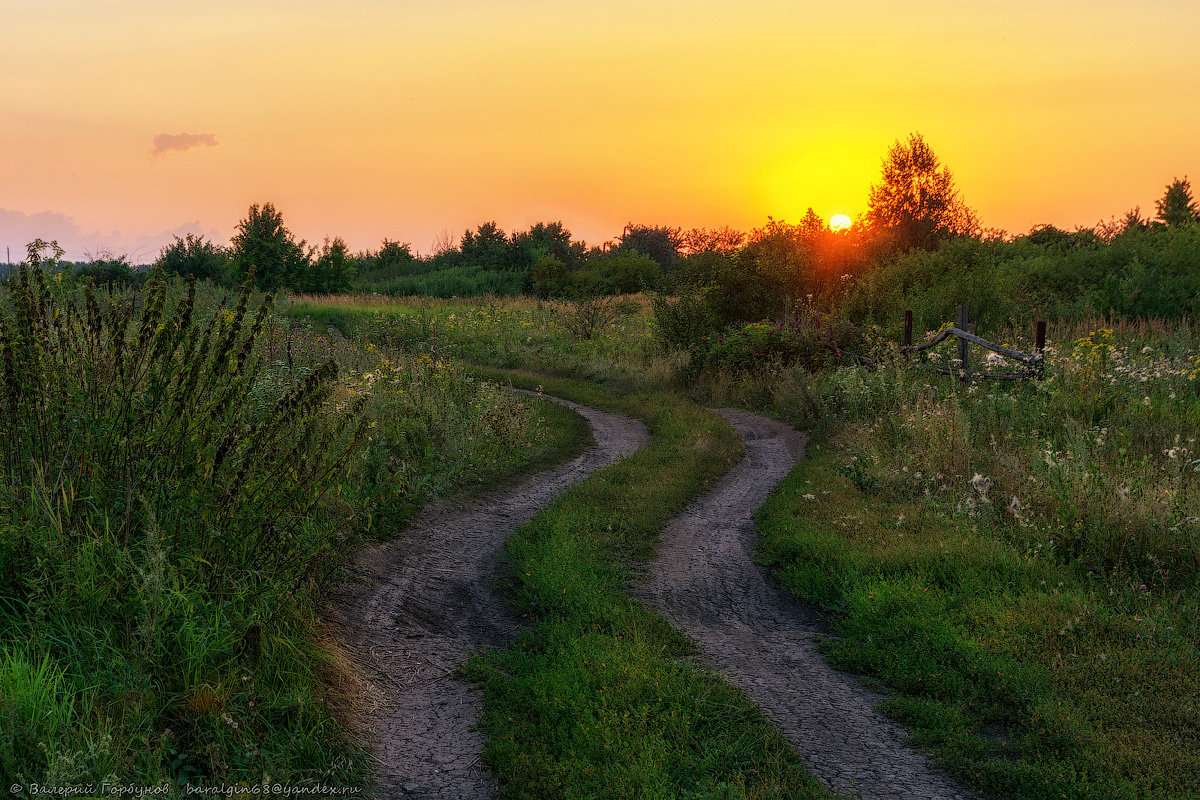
(1017,562)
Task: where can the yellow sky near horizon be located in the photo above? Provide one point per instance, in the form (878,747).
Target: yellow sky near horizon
(405,119)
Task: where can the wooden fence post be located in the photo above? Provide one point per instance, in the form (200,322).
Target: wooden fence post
(963,322)
(907,331)
(1039,347)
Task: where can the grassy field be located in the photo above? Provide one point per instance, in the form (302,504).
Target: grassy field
(511,333)
(1016,562)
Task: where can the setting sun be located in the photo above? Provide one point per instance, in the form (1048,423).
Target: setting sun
(839,222)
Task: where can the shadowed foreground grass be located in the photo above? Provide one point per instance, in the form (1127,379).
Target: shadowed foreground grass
(601,698)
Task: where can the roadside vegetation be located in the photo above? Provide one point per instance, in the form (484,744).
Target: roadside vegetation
(1017,563)
(181,474)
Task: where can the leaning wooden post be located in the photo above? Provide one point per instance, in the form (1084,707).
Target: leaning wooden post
(963,322)
(1039,347)
(907,331)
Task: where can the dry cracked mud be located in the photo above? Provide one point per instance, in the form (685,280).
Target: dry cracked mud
(412,609)
(705,582)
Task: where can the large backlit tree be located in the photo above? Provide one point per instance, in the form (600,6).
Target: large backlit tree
(916,201)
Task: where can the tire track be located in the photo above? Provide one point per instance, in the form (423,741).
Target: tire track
(705,581)
(412,609)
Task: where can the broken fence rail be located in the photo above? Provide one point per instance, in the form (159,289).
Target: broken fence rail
(1032,363)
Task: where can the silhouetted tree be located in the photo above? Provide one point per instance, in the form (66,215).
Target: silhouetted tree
(545,239)
(262,241)
(1177,206)
(332,270)
(192,255)
(661,244)
(395,258)
(812,225)
(724,241)
(486,248)
(916,200)
(1132,221)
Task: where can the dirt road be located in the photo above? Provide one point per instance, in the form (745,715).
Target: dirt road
(413,608)
(706,583)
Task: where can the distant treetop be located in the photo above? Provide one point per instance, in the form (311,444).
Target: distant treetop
(1177,207)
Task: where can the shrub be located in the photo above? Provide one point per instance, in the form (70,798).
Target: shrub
(617,274)
(814,342)
(682,322)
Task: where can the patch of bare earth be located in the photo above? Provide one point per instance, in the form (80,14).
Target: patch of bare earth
(705,581)
(412,609)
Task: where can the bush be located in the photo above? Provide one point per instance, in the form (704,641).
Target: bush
(548,277)
(1048,273)
(456,281)
(110,273)
(813,342)
(606,275)
(682,322)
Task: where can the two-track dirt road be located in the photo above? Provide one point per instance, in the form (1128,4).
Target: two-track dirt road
(420,604)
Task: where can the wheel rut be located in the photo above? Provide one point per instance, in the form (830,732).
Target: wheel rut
(412,609)
(705,582)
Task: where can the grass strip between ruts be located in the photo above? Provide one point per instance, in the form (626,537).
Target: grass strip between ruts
(602,698)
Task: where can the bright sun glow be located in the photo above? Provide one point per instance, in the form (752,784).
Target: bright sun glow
(840,222)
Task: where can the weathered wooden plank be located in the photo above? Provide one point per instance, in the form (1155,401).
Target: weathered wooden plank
(970,337)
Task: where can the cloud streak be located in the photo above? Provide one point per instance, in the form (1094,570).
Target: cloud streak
(181,142)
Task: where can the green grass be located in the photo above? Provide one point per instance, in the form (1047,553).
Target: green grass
(1029,678)
(507,333)
(603,698)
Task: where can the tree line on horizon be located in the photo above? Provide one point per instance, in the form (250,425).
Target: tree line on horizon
(914,209)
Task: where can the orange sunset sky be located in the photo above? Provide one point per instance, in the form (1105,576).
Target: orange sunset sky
(372,119)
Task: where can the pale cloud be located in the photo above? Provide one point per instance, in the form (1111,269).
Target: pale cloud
(168,142)
(18,229)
